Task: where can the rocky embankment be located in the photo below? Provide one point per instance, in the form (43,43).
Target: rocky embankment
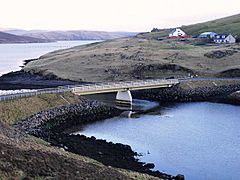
(40,124)
(224,93)
(27,157)
(50,126)
(233,98)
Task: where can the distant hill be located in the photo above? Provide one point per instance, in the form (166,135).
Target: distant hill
(78,35)
(10,38)
(21,31)
(229,24)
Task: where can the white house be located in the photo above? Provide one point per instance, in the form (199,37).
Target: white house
(224,39)
(177,32)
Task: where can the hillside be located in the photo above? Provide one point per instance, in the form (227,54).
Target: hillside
(144,56)
(138,58)
(10,38)
(78,35)
(229,24)
(21,32)
(27,157)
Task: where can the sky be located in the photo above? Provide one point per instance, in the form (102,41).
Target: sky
(111,15)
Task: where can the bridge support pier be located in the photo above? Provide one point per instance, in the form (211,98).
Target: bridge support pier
(124,97)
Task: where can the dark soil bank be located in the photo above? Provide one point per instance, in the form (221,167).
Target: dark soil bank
(233,98)
(23,80)
(50,126)
(23,158)
(178,94)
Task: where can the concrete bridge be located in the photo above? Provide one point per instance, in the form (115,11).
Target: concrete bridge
(122,88)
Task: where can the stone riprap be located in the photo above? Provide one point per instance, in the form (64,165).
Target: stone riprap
(178,94)
(51,126)
(67,116)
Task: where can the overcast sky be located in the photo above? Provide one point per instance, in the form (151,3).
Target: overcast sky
(111,15)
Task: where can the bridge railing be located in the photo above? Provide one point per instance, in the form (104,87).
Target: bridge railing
(89,87)
(123,85)
(30,93)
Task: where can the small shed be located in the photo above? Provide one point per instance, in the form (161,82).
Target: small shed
(224,39)
(177,32)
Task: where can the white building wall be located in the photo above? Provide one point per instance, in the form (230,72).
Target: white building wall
(177,32)
(230,39)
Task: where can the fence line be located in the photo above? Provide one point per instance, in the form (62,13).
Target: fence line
(131,85)
(34,93)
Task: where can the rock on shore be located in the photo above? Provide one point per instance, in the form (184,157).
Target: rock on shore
(233,98)
(26,157)
(66,116)
(178,94)
(50,126)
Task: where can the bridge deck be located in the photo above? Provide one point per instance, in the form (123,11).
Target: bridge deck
(94,88)
(122,86)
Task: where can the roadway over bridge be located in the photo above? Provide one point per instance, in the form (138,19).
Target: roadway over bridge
(122,88)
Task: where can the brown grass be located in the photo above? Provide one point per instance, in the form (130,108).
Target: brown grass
(125,59)
(24,157)
(14,110)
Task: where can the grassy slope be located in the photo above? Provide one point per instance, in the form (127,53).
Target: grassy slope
(28,157)
(144,57)
(134,58)
(229,24)
(14,110)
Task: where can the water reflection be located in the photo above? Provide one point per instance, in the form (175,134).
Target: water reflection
(199,140)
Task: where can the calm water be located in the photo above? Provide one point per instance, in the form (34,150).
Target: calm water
(12,55)
(199,140)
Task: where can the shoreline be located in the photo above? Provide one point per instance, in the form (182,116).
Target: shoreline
(50,126)
(229,94)
(23,80)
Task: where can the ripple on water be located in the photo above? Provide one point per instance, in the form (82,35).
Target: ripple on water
(199,140)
